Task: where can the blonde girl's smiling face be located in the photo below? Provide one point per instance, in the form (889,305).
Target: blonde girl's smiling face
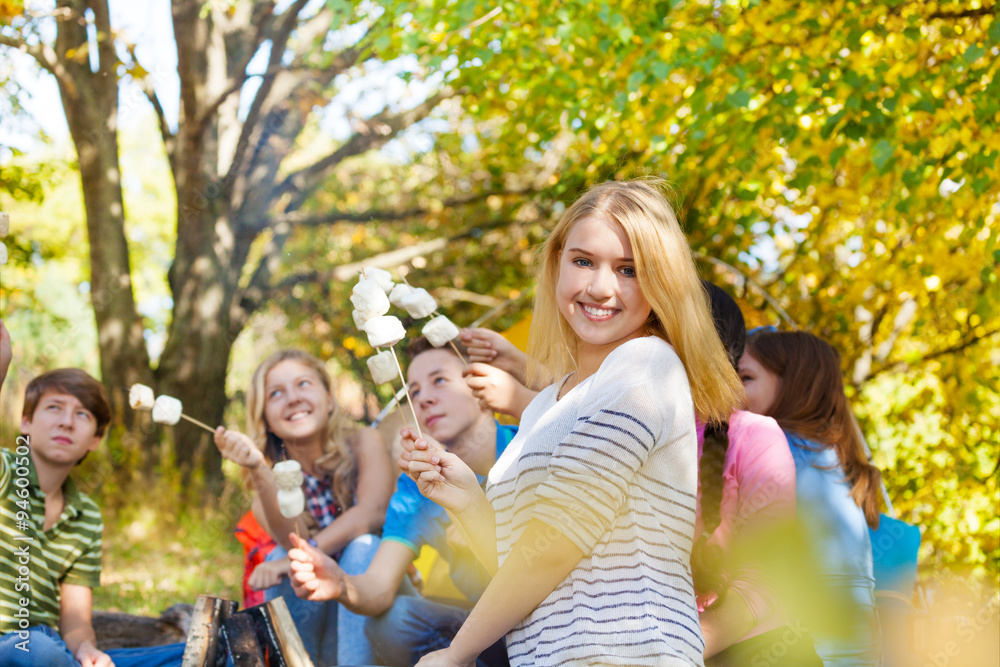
(296,403)
(598,289)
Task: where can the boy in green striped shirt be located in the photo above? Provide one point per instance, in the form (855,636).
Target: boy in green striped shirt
(50,551)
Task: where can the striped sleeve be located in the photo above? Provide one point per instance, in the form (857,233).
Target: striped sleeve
(85,570)
(591,470)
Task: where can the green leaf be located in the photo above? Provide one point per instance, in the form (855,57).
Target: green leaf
(836,155)
(974,53)
(739,100)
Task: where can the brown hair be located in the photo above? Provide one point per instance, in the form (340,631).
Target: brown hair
(668,279)
(420,344)
(337,459)
(706,560)
(811,403)
(76,383)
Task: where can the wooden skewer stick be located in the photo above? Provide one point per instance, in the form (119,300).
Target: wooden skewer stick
(409,399)
(461,356)
(201,424)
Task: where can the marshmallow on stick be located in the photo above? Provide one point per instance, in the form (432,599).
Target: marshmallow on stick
(369,300)
(418,303)
(398,295)
(439,331)
(288,478)
(141,397)
(384,331)
(167,410)
(382,367)
(380,277)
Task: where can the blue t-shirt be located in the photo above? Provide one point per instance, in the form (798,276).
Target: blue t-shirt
(413,521)
(838,531)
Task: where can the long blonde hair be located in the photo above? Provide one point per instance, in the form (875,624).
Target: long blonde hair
(669,281)
(337,459)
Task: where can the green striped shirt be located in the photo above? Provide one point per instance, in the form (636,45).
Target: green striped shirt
(34,563)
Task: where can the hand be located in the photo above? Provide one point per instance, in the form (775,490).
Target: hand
(315,576)
(5,351)
(268,574)
(238,447)
(497,390)
(443,658)
(440,475)
(489,347)
(89,655)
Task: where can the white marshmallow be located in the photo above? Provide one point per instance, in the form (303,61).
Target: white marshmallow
(369,299)
(3,253)
(4,223)
(291,503)
(383,367)
(419,303)
(288,475)
(439,331)
(141,397)
(167,410)
(381,277)
(384,331)
(399,293)
(359,319)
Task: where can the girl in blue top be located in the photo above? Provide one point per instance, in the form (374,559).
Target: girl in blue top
(795,378)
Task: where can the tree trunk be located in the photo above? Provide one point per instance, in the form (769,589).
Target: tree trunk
(90,99)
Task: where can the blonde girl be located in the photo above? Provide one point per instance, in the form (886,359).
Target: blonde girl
(588,517)
(348,478)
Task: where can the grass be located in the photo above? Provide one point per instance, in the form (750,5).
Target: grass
(154,558)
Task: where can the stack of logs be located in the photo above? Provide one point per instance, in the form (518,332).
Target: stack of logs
(261,636)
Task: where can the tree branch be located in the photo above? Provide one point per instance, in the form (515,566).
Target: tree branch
(965,14)
(46,57)
(301,219)
(383,261)
(372,133)
(279,40)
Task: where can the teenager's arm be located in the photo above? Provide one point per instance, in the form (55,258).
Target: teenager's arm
(444,478)
(75,625)
(525,579)
(723,624)
(316,576)
(375,486)
(238,447)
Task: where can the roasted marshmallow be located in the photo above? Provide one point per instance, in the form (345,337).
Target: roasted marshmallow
(141,397)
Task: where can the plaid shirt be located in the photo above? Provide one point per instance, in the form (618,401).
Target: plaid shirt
(319,499)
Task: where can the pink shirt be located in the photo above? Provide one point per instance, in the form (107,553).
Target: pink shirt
(758,489)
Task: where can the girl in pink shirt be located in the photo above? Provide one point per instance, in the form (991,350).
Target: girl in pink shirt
(746,488)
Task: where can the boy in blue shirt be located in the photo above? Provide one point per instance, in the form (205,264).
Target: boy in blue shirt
(402,628)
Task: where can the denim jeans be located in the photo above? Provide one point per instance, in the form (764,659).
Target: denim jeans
(322,624)
(414,627)
(45,648)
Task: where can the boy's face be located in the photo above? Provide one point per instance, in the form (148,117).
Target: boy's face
(62,430)
(443,400)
